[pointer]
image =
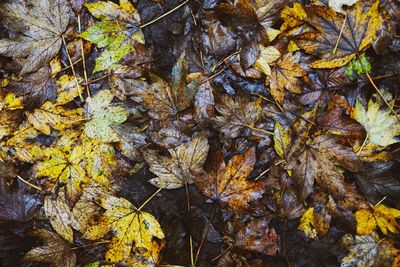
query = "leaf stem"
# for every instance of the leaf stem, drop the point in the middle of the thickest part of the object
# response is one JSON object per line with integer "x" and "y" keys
{"x": 340, "y": 35}
{"x": 28, "y": 183}
{"x": 83, "y": 57}
{"x": 164, "y": 15}
{"x": 72, "y": 66}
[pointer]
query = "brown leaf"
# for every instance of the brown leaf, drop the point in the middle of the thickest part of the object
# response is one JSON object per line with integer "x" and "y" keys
{"x": 54, "y": 251}
{"x": 317, "y": 159}
{"x": 35, "y": 88}
{"x": 39, "y": 26}
{"x": 258, "y": 236}
{"x": 227, "y": 184}
{"x": 285, "y": 75}
{"x": 237, "y": 113}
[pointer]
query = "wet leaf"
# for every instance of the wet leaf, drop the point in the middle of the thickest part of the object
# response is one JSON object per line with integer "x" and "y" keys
{"x": 359, "y": 31}
{"x": 227, "y": 184}
{"x": 54, "y": 251}
{"x": 378, "y": 216}
{"x": 131, "y": 229}
{"x": 103, "y": 115}
{"x": 176, "y": 171}
{"x": 39, "y": 26}
{"x": 317, "y": 160}
{"x": 117, "y": 32}
{"x": 380, "y": 124}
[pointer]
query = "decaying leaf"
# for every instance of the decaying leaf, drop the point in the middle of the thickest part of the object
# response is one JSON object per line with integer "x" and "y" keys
{"x": 103, "y": 116}
{"x": 380, "y": 124}
{"x": 285, "y": 75}
{"x": 10, "y": 117}
{"x": 380, "y": 215}
{"x": 131, "y": 229}
{"x": 258, "y": 236}
{"x": 267, "y": 56}
{"x": 117, "y": 32}
{"x": 164, "y": 99}
{"x": 282, "y": 139}
{"x": 39, "y": 26}
{"x": 315, "y": 222}
{"x": 176, "y": 171}
{"x": 236, "y": 114}
{"x": 49, "y": 116}
{"x": 317, "y": 160}
{"x": 55, "y": 250}
{"x": 227, "y": 184}
{"x": 365, "y": 251}
{"x": 359, "y": 30}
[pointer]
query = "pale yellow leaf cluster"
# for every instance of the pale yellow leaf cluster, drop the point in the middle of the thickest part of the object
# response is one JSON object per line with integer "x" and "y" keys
{"x": 379, "y": 216}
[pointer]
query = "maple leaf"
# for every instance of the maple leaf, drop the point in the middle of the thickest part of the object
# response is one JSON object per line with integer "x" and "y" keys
{"x": 131, "y": 229}
{"x": 227, "y": 184}
{"x": 294, "y": 18}
{"x": 267, "y": 56}
{"x": 164, "y": 99}
{"x": 54, "y": 251}
{"x": 35, "y": 88}
{"x": 39, "y": 26}
{"x": 365, "y": 251}
{"x": 282, "y": 139}
{"x": 117, "y": 32}
{"x": 380, "y": 215}
{"x": 358, "y": 33}
{"x": 285, "y": 74}
{"x": 380, "y": 124}
{"x": 313, "y": 224}
{"x": 67, "y": 89}
{"x": 103, "y": 116}
{"x": 237, "y": 113}
{"x": 50, "y": 116}
{"x": 316, "y": 160}
{"x": 176, "y": 171}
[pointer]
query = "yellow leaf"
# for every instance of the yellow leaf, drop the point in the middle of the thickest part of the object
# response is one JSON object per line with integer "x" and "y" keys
{"x": 131, "y": 229}
{"x": 282, "y": 139}
{"x": 50, "y": 116}
{"x": 293, "y": 17}
{"x": 267, "y": 55}
{"x": 380, "y": 124}
{"x": 379, "y": 216}
{"x": 307, "y": 223}
{"x": 67, "y": 89}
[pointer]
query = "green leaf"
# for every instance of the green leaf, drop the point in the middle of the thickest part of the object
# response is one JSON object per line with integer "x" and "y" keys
{"x": 358, "y": 66}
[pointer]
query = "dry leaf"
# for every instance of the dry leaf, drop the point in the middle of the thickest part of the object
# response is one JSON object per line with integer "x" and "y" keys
{"x": 380, "y": 215}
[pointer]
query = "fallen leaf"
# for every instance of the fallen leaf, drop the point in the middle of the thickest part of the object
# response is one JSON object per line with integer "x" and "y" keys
{"x": 117, "y": 32}
{"x": 358, "y": 33}
{"x": 236, "y": 114}
{"x": 307, "y": 224}
{"x": 54, "y": 251}
{"x": 317, "y": 160}
{"x": 282, "y": 139}
{"x": 49, "y": 116}
{"x": 380, "y": 124}
{"x": 176, "y": 171}
{"x": 337, "y": 5}
{"x": 131, "y": 229}
{"x": 35, "y": 88}
{"x": 39, "y": 26}
{"x": 294, "y": 17}
{"x": 227, "y": 184}
{"x": 103, "y": 115}
{"x": 365, "y": 251}
{"x": 267, "y": 56}
{"x": 67, "y": 89}
{"x": 258, "y": 236}
{"x": 378, "y": 216}
{"x": 285, "y": 75}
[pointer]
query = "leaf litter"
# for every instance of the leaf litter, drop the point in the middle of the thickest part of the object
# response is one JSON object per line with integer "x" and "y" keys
{"x": 199, "y": 133}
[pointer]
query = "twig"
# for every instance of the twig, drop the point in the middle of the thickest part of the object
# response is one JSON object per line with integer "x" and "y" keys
{"x": 222, "y": 253}
{"x": 340, "y": 35}
{"x": 164, "y": 15}
{"x": 380, "y": 201}
{"x": 213, "y": 76}
{"x": 97, "y": 79}
{"x": 222, "y": 61}
{"x": 150, "y": 198}
{"x": 363, "y": 145}
{"x": 67, "y": 67}
{"x": 28, "y": 183}
{"x": 83, "y": 57}
{"x": 190, "y": 235}
{"x": 91, "y": 245}
{"x": 257, "y": 129}
{"x": 205, "y": 235}
{"x": 72, "y": 67}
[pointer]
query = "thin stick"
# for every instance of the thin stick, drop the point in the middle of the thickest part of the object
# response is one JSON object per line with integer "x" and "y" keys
{"x": 190, "y": 235}
{"x": 91, "y": 245}
{"x": 67, "y": 67}
{"x": 150, "y": 198}
{"x": 340, "y": 35}
{"x": 83, "y": 57}
{"x": 363, "y": 145}
{"x": 257, "y": 129}
{"x": 205, "y": 235}
{"x": 213, "y": 76}
{"x": 72, "y": 67}
{"x": 97, "y": 79}
{"x": 28, "y": 183}
{"x": 222, "y": 61}
{"x": 164, "y": 15}
{"x": 380, "y": 201}
{"x": 261, "y": 174}
{"x": 222, "y": 253}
